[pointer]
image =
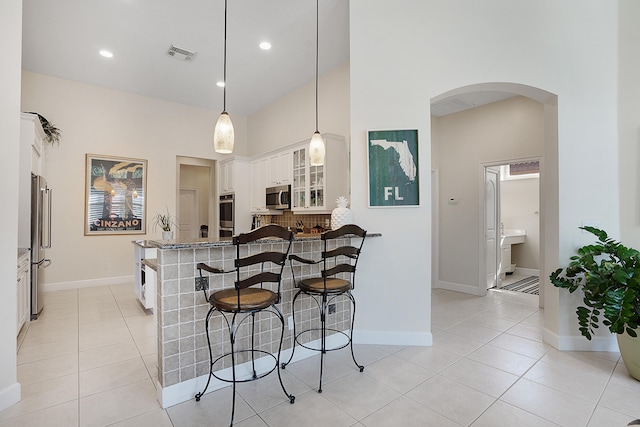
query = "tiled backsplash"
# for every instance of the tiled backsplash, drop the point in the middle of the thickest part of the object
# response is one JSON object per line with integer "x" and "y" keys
{"x": 289, "y": 219}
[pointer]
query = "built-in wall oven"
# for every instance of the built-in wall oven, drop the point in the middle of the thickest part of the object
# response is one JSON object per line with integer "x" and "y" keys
{"x": 227, "y": 215}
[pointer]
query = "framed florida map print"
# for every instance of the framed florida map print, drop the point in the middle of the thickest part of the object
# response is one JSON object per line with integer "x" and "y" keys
{"x": 393, "y": 168}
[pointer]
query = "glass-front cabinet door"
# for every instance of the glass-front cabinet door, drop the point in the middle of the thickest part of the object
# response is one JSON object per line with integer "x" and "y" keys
{"x": 308, "y": 182}
{"x": 299, "y": 185}
{"x": 316, "y": 186}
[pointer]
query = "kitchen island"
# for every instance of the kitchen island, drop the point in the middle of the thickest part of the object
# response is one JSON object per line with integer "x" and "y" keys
{"x": 183, "y": 354}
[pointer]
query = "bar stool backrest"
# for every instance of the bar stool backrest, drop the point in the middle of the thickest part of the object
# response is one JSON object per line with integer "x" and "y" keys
{"x": 246, "y": 272}
{"x": 341, "y": 259}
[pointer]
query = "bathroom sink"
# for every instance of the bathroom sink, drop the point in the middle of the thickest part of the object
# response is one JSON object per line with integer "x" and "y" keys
{"x": 512, "y": 236}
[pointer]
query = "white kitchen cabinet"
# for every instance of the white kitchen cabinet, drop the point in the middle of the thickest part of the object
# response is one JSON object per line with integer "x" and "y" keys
{"x": 232, "y": 173}
{"x": 225, "y": 179}
{"x": 144, "y": 286}
{"x": 23, "y": 291}
{"x": 280, "y": 167}
{"x": 31, "y": 162}
{"x": 32, "y": 138}
{"x": 259, "y": 182}
{"x": 234, "y": 177}
{"x": 315, "y": 188}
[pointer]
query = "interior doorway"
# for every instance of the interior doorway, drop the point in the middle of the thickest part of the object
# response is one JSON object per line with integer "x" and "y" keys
{"x": 512, "y": 205}
{"x": 196, "y": 196}
{"x": 491, "y": 226}
{"x": 189, "y": 208}
{"x": 461, "y": 263}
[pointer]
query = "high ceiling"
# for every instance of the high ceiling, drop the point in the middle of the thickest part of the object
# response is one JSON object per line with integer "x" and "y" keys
{"x": 62, "y": 38}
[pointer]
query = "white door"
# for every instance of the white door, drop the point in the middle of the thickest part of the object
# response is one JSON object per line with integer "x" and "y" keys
{"x": 492, "y": 225}
{"x": 189, "y": 209}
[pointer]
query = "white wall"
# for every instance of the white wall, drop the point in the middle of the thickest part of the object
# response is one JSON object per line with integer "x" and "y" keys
{"x": 507, "y": 130}
{"x": 520, "y": 208}
{"x": 11, "y": 33}
{"x": 103, "y": 121}
{"x": 405, "y": 55}
{"x": 291, "y": 118}
{"x": 629, "y": 122}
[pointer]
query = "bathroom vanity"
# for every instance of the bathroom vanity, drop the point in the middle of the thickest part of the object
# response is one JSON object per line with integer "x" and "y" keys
{"x": 508, "y": 238}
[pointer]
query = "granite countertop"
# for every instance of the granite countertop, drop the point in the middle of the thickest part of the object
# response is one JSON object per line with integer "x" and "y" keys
{"x": 213, "y": 242}
{"x": 151, "y": 262}
{"x": 142, "y": 243}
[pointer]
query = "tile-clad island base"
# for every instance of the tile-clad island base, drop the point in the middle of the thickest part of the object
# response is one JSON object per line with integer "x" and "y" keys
{"x": 183, "y": 354}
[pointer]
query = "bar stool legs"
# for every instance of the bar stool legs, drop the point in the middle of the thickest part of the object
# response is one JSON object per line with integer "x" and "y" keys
{"x": 232, "y": 327}
{"x": 323, "y": 307}
{"x": 206, "y": 328}
{"x": 336, "y": 277}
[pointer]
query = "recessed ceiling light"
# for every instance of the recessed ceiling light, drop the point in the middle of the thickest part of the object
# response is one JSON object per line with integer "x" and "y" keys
{"x": 265, "y": 45}
{"x": 106, "y": 53}
{"x": 220, "y": 84}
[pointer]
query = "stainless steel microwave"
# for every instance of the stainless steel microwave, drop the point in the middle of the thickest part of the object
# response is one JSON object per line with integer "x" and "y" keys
{"x": 279, "y": 197}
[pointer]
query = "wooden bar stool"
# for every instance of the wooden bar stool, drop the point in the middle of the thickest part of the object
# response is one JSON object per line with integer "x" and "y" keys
{"x": 337, "y": 278}
{"x": 247, "y": 300}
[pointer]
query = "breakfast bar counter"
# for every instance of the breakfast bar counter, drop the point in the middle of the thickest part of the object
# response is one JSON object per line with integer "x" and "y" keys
{"x": 183, "y": 354}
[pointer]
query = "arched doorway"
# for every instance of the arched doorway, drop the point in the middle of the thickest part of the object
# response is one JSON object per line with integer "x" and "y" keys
{"x": 462, "y": 206}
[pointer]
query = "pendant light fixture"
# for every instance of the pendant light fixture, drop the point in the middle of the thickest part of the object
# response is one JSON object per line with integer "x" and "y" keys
{"x": 223, "y": 132}
{"x": 316, "y": 146}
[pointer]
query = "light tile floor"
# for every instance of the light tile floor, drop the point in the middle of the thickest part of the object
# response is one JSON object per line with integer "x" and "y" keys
{"x": 90, "y": 361}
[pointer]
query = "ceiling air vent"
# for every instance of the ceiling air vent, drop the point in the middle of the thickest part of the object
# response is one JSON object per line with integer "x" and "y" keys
{"x": 181, "y": 53}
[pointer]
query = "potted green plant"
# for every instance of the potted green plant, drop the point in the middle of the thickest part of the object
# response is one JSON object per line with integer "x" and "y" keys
{"x": 608, "y": 274}
{"x": 52, "y": 133}
{"x": 165, "y": 222}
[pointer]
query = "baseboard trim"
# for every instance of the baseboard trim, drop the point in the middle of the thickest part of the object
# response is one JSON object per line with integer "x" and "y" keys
{"x": 579, "y": 343}
{"x": 450, "y": 286}
{"x": 393, "y": 338}
{"x": 88, "y": 283}
{"x": 9, "y": 396}
{"x": 186, "y": 390}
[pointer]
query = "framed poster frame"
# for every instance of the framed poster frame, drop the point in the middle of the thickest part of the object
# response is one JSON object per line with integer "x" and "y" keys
{"x": 115, "y": 195}
{"x": 393, "y": 168}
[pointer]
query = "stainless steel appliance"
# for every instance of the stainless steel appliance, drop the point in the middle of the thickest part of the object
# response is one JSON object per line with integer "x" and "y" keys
{"x": 279, "y": 197}
{"x": 40, "y": 239}
{"x": 227, "y": 214}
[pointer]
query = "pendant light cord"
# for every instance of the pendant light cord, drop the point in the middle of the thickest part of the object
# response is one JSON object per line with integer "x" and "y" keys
{"x": 224, "y": 73}
{"x": 317, "y": 44}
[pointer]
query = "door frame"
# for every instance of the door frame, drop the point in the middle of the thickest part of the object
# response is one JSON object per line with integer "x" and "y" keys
{"x": 482, "y": 273}
{"x": 435, "y": 228}
{"x": 213, "y": 188}
{"x": 482, "y": 283}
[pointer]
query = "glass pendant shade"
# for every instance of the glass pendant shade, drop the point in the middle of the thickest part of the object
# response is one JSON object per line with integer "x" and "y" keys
{"x": 223, "y": 134}
{"x": 316, "y": 150}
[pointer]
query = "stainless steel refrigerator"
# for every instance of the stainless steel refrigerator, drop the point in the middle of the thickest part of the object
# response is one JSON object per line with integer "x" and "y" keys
{"x": 40, "y": 239}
